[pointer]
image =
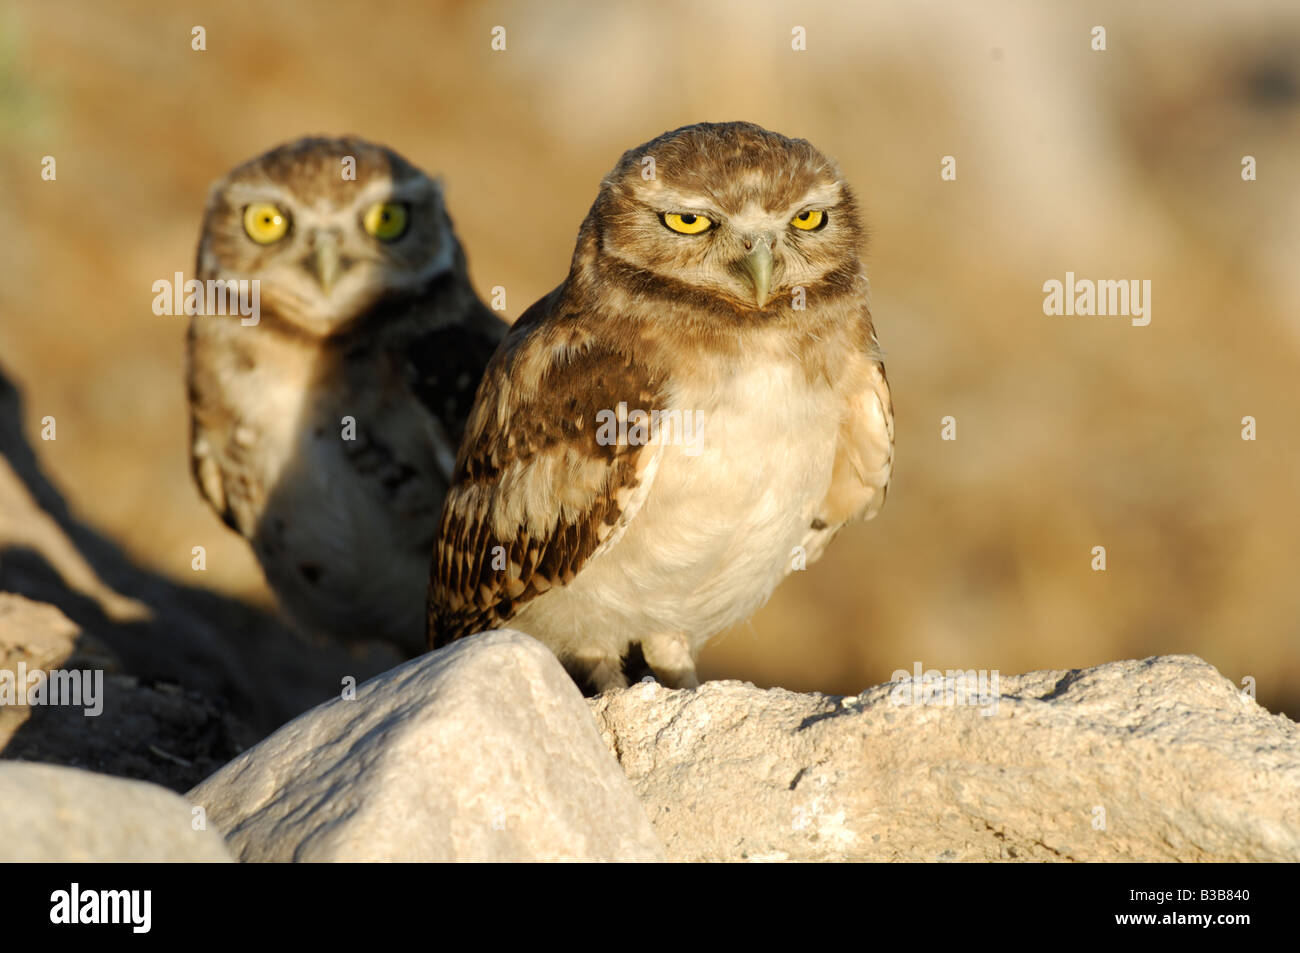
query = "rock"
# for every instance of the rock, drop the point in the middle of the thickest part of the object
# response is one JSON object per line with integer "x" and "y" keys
{"x": 482, "y": 751}
{"x": 35, "y": 634}
{"x": 1155, "y": 760}
{"x": 65, "y": 814}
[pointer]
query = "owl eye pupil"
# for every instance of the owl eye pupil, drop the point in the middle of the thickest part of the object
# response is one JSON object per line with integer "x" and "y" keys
{"x": 688, "y": 219}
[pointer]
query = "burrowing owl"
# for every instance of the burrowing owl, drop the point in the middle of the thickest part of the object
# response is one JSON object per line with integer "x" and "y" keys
{"x": 326, "y": 432}
{"x": 694, "y": 412}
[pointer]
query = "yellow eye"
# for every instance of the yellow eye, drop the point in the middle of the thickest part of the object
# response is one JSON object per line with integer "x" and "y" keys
{"x": 386, "y": 221}
{"x": 688, "y": 223}
{"x": 807, "y": 221}
{"x": 265, "y": 223}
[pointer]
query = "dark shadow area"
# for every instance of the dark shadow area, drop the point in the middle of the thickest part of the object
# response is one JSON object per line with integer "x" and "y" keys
{"x": 191, "y": 677}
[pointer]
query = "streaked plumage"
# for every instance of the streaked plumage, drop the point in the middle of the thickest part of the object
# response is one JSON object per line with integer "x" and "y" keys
{"x": 388, "y": 333}
{"x": 594, "y": 548}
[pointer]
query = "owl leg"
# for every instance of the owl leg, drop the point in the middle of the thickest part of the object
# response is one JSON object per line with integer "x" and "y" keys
{"x": 600, "y": 673}
{"x": 669, "y": 656}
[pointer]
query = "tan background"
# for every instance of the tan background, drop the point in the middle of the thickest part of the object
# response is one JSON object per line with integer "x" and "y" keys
{"x": 1072, "y": 431}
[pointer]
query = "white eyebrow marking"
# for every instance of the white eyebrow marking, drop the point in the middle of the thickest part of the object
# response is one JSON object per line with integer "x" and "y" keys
{"x": 382, "y": 190}
{"x": 666, "y": 198}
{"x": 242, "y": 193}
{"x": 379, "y": 190}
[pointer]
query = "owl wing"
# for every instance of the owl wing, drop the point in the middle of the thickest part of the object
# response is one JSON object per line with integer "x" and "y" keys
{"x": 443, "y": 368}
{"x": 221, "y": 451}
{"x": 864, "y": 452}
{"x": 540, "y": 490}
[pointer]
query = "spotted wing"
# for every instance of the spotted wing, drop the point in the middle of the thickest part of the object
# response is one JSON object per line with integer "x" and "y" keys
{"x": 540, "y": 488}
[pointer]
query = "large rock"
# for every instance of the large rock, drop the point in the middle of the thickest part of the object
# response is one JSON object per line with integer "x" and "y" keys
{"x": 53, "y": 813}
{"x": 1154, "y": 760}
{"x": 482, "y": 751}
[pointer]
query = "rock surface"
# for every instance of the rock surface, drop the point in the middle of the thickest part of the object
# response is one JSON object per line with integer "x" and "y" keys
{"x": 64, "y": 814}
{"x": 483, "y": 751}
{"x": 1155, "y": 760}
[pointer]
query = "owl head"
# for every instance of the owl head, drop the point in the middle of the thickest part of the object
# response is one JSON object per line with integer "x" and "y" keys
{"x": 730, "y": 211}
{"x": 329, "y": 227}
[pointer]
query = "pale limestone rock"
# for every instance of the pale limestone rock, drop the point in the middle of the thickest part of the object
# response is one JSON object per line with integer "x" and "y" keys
{"x": 483, "y": 751}
{"x": 36, "y": 634}
{"x": 51, "y": 813}
{"x": 1154, "y": 760}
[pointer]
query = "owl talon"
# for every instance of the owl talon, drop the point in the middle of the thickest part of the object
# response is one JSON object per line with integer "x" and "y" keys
{"x": 601, "y": 674}
{"x": 669, "y": 657}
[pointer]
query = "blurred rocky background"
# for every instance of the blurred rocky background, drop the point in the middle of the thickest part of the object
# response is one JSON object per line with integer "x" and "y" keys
{"x": 1072, "y": 432}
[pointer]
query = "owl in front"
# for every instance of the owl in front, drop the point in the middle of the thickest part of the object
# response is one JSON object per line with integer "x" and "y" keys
{"x": 692, "y": 414}
{"x": 324, "y": 429}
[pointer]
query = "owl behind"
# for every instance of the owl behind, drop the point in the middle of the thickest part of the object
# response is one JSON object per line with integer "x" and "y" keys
{"x": 324, "y": 432}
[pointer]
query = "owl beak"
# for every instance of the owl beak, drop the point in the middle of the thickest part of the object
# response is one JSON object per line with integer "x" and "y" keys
{"x": 326, "y": 262}
{"x": 758, "y": 266}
